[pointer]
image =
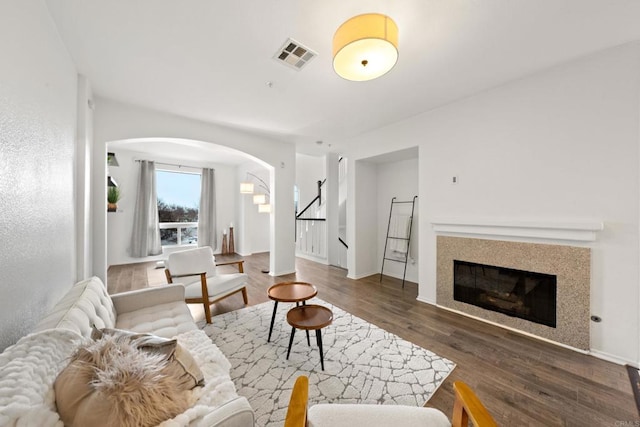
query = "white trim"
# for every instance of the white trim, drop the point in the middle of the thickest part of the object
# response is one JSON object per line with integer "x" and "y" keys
{"x": 361, "y": 276}
{"x": 614, "y": 359}
{"x": 595, "y": 353}
{"x": 514, "y": 330}
{"x": 319, "y": 260}
{"x": 426, "y": 301}
{"x": 573, "y": 231}
{"x": 281, "y": 273}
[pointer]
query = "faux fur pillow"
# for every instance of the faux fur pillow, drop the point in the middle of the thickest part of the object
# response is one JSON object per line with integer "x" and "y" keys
{"x": 111, "y": 382}
{"x": 181, "y": 363}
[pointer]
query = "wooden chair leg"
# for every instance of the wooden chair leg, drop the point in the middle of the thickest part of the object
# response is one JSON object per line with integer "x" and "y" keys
{"x": 207, "y": 310}
{"x": 244, "y": 296}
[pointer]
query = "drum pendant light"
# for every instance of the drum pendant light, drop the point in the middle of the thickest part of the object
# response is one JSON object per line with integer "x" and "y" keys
{"x": 365, "y": 47}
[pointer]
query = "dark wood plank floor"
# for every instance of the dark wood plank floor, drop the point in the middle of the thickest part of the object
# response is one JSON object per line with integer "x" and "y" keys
{"x": 521, "y": 380}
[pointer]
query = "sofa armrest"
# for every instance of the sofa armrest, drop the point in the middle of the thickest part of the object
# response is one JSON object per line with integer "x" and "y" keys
{"x": 235, "y": 413}
{"x": 127, "y": 302}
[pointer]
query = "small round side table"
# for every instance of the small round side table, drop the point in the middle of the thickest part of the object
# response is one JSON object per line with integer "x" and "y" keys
{"x": 309, "y": 317}
{"x": 297, "y": 292}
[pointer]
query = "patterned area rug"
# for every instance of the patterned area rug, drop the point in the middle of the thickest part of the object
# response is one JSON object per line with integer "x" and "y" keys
{"x": 363, "y": 363}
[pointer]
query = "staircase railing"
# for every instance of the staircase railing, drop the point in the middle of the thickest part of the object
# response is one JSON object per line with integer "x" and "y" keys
{"x": 318, "y": 198}
{"x": 311, "y": 232}
{"x": 343, "y": 242}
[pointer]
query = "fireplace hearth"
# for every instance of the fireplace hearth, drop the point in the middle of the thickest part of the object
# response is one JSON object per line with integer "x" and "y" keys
{"x": 518, "y": 293}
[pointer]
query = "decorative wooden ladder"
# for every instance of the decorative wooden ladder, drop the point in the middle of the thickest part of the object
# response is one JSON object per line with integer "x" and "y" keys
{"x": 406, "y": 238}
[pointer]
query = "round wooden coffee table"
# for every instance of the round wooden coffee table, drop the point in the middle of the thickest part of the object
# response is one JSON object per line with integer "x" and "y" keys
{"x": 309, "y": 317}
{"x": 297, "y": 292}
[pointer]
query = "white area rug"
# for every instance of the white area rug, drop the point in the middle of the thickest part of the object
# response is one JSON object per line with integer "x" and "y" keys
{"x": 363, "y": 363}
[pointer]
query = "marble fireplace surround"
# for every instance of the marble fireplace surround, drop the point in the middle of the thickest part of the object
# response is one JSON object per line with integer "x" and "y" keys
{"x": 570, "y": 264}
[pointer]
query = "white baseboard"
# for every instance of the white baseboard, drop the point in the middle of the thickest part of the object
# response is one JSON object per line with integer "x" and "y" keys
{"x": 595, "y": 353}
{"x": 426, "y": 301}
{"x": 319, "y": 260}
{"x": 578, "y": 350}
{"x": 360, "y": 276}
{"x": 614, "y": 359}
{"x": 252, "y": 253}
{"x": 399, "y": 277}
{"x": 281, "y": 273}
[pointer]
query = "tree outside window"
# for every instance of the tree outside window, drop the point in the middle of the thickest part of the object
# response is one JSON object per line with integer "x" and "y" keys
{"x": 178, "y": 202}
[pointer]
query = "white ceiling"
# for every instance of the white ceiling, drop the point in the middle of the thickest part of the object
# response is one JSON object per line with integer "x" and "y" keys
{"x": 211, "y": 59}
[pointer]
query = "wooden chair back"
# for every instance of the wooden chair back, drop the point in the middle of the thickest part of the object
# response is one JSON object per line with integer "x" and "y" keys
{"x": 297, "y": 411}
{"x": 466, "y": 408}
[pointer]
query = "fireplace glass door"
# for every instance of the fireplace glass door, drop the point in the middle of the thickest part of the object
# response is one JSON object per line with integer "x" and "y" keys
{"x": 524, "y": 294}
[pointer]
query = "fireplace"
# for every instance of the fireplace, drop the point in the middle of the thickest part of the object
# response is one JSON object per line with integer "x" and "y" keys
{"x": 517, "y": 293}
{"x": 569, "y": 264}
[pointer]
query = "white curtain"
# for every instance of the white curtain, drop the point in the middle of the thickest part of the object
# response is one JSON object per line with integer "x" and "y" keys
{"x": 145, "y": 239}
{"x": 207, "y": 212}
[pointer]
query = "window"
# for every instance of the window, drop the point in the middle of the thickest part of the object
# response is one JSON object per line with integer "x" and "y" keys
{"x": 178, "y": 203}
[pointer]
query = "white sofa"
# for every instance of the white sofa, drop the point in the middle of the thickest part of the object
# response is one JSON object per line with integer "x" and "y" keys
{"x": 29, "y": 368}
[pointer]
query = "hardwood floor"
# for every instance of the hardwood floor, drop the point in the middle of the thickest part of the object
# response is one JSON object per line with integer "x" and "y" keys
{"x": 521, "y": 380}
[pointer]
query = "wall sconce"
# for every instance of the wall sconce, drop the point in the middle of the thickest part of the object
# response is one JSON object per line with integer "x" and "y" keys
{"x": 111, "y": 182}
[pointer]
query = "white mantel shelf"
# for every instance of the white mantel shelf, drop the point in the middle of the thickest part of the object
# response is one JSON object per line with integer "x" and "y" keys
{"x": 572, "y": 231}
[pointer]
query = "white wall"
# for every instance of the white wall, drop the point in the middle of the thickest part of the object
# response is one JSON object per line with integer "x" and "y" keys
{"x": 114, "y": 121}
{"x": 309, "y": 170}
{"x": 560, "y": 145}
{"x": 253, "y": 228}
{"x": 38, "y": 122}
{"x": 120, "y": 223}
{"x": 331, "y": 194}
{"x": 82, "y": 180}
{"x": 399, "y": 180}
{"x": 362, "y": 220}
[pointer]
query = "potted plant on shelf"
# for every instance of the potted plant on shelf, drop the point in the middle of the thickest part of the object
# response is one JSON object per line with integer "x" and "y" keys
{"x": 113, "y": 195}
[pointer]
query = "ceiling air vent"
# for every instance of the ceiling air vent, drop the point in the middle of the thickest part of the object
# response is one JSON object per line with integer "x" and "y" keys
{"x": 294, "y": 55}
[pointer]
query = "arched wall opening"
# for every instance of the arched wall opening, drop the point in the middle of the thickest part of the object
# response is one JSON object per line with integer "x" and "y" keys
{"x": 114, "y": 121}
{"x": 184, "y": 160}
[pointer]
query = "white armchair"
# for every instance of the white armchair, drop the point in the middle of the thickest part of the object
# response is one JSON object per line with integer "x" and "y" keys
{"x": 196, "y": 268}
{"x": 467, "y": 408}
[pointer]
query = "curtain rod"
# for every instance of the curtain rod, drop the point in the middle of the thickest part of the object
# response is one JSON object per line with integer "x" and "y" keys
{"x": 170, "y": 164}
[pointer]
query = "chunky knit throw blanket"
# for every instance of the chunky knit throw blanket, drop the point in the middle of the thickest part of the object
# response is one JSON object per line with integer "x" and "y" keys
{"x": 29, "y": 368}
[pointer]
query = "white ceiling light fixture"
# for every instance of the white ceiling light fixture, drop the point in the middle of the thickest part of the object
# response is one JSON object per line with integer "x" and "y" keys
{"x": 365, "y": 47}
